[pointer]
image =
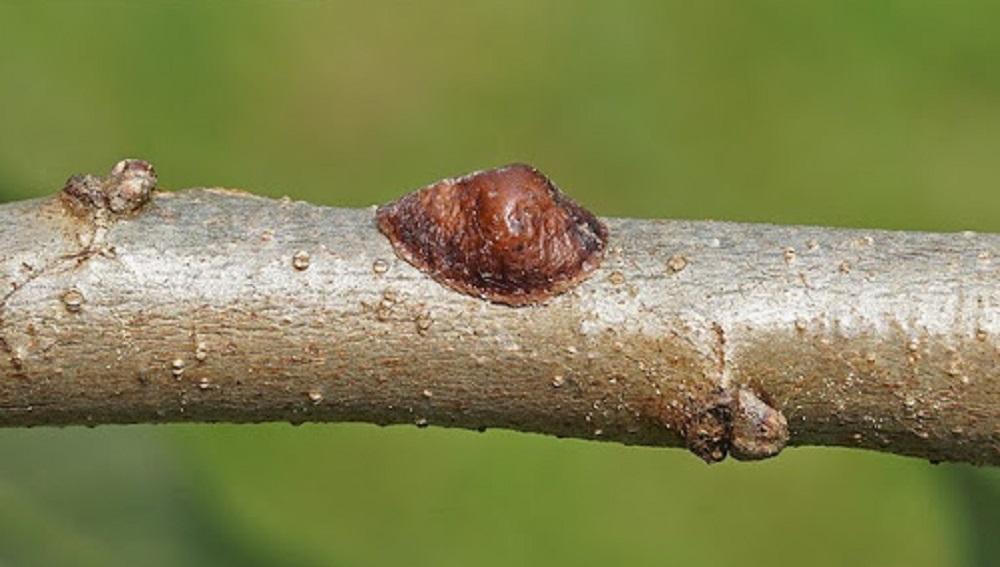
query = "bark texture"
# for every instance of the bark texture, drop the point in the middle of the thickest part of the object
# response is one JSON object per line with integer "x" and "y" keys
{"x": 215, "y": 305}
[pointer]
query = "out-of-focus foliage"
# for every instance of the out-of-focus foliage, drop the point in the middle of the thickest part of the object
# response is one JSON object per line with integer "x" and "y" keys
{"x": 882, "y": 114}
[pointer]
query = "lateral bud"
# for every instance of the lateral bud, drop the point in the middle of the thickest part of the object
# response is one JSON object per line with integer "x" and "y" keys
{"x": 126, "y": 189}
{"x": 759, "y": 430}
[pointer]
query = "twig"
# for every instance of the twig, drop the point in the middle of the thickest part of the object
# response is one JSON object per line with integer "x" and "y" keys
{"x": 215, "y": 305}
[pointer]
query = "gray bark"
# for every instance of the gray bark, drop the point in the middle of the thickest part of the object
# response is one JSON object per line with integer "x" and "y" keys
{"x": 215, "y": 305}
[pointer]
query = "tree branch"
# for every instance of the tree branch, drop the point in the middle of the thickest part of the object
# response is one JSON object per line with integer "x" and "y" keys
{"x": 215, "y": 305}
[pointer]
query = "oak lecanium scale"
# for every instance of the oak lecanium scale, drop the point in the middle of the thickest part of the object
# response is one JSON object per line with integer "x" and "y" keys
{"x": 506, "y": 235}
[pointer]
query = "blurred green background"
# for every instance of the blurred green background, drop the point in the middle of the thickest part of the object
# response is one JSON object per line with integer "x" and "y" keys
{"x": 874, "y": 113}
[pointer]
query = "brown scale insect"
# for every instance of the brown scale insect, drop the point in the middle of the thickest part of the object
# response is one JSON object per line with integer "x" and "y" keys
{"x": 507, "y": 235}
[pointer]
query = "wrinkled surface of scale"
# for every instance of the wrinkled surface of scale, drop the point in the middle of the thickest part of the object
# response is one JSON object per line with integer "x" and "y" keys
{"x": 508, "y": 235}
